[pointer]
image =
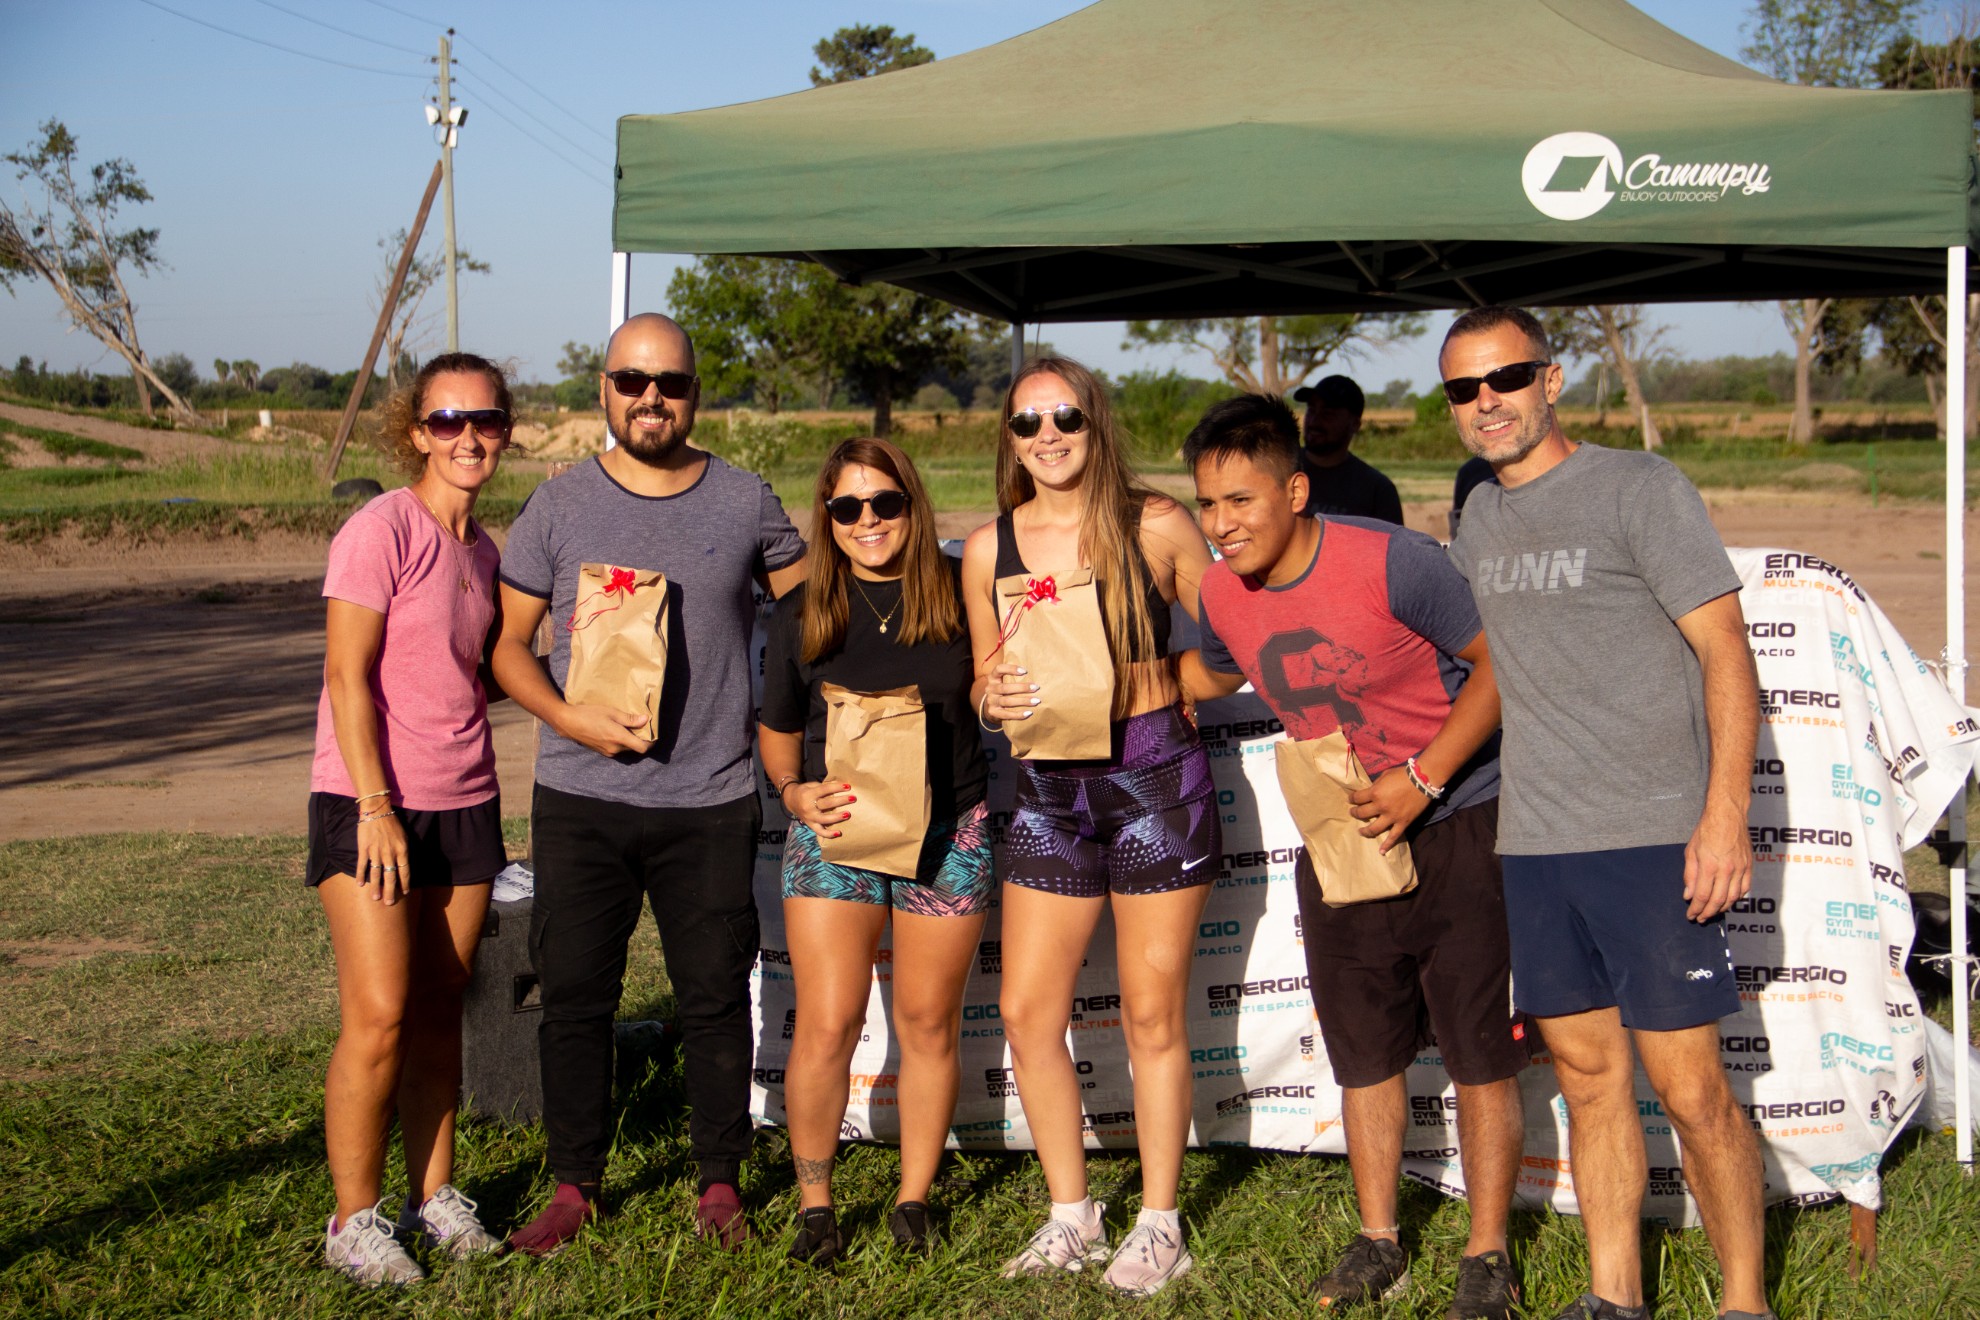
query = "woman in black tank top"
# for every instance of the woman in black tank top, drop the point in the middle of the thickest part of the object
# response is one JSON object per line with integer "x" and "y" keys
{"x": 1137, "y": 831}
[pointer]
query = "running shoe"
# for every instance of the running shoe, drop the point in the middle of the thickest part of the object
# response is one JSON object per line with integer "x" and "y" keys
{"x": 556, "y": 1224}
{"x": 1371, "y": 1269}
{"x": 718, "y": 1217}
{"x": 1060, "y": 1246}
{"x": 367, "y": 1251}
{"x": 1487, "y": 1288}
{"x": 448, "y": 1221}
{"x": 911, "y": 1228}
{"x": 819, "y": 1241}
{"x": 1590, "y": 1307}
{"x": 1147, "y": 1260}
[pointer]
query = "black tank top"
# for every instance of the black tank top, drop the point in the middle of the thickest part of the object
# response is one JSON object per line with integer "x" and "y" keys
{"x": 1011, "y": 564}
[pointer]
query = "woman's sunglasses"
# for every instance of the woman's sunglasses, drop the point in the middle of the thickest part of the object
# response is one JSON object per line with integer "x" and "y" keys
{"x": 1504, "y": 380}
{"x": 1067, "y": 417}
{"x": 887, "y": 506}
{"x": 448, "y": 423}
{"x": 632, "y": 384}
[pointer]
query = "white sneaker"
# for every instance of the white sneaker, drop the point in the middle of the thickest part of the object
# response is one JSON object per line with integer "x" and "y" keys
{"x": 1061, "y": 1246}
{"x": 1147, "y": 1261}
{"x": 366, "y": 1250}
{"x": 449, "y": 1222}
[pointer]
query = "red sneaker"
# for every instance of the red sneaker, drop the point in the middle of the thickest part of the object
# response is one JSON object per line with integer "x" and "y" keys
{"x": 718, "y": 1216}
{"x": 552, "y": 1229}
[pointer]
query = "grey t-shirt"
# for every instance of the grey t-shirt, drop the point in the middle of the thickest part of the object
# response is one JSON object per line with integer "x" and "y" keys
{"x": 710, "y": 540}
{"x": 1579, "y": 575}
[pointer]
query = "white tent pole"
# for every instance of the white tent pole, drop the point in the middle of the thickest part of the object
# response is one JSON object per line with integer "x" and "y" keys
{"x": 1017, "y": 347}
{"x": 621, "y": 289}
{"x": 1956, "y": 680}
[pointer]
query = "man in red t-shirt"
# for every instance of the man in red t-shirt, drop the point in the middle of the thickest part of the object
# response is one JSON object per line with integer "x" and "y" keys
{"x": 1364, "y": 626}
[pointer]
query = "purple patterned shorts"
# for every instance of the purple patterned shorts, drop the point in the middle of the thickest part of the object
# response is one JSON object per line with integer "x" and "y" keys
{"x": 1145, "y": 823}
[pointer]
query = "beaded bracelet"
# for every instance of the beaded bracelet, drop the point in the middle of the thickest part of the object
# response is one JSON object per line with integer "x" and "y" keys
{"x": 1423, "y": 785}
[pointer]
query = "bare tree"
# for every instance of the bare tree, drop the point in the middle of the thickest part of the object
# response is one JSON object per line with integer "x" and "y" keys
{"x": 69, "y": 240}
{"x": 1276, "y": 354}
{"x": 1620, "y": 336}
{"x": 422, "y": 276}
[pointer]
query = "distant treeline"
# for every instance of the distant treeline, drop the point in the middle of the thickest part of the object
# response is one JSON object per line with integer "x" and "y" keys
{"x": 1761, "y": 381}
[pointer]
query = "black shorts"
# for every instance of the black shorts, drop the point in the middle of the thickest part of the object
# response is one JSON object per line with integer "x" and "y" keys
{"x": 458, "y": 847}
{"x": 1430, "y": 967}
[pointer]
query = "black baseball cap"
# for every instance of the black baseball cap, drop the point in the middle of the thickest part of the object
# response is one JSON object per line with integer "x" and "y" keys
{"x": 1333, "y": 392}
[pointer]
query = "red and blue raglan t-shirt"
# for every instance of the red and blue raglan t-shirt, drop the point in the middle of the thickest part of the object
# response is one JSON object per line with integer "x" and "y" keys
{"x": 1365, "y": 641}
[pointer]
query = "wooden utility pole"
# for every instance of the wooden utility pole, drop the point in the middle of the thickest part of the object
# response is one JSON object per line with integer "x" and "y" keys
{"x": 391, "y": 301}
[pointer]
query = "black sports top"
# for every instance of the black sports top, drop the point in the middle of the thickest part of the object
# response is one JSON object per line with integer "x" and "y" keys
{"x": 1011, "y": 564}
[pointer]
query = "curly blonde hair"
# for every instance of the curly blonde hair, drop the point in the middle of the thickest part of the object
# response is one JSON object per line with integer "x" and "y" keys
{"x": 406, "y": 409}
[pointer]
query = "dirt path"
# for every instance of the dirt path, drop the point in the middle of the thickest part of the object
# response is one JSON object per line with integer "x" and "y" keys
{"x": 156, "y": 446}
{"x": 175, "y": 686}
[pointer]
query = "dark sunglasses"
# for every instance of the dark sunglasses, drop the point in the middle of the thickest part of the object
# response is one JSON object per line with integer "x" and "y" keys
{"x": 1067, "y": 417}
{"x": 1503, "y": 380}
{"x": 448, "y": 423}
{"x": 887, "y": 506}
{"x": 632, "y": 384}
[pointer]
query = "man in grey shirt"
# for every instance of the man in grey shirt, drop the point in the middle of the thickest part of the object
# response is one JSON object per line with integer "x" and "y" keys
{"x": 1631, "y": 707}
{"x": 620, "y": 821}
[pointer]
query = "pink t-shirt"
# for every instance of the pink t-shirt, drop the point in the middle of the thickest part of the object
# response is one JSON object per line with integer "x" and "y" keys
{"x": 433, "y": 731}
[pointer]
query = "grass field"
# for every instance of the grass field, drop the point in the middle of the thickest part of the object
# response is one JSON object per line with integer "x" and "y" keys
{"x": 167, "y": 1016}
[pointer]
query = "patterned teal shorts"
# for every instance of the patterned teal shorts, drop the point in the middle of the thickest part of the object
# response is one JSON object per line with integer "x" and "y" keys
{"x": 957, "y": 853}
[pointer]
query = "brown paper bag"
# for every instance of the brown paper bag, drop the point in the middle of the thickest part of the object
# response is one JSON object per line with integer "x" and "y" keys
{"x": 878, "y": 743}
{"x": 1316, "y": 775}
{"x": 1051, "y": 627}
{"x": 619, "y": 641}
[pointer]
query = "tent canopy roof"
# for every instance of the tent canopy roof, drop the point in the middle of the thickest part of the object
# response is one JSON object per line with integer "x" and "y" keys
{"x": 1216, "y": 157}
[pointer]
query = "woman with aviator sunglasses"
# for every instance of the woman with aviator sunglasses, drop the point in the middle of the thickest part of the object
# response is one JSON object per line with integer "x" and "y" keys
{"x": 405, "y": 821}
{"x": 877, "y": 611}
{"x": 1137, "y": 832}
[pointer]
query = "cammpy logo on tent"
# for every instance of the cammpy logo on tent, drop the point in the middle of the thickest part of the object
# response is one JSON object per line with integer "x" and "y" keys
{"x": 1571, "y": 176}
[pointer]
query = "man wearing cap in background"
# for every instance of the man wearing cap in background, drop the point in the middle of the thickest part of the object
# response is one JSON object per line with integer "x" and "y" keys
{"x": 1338, "y": 483}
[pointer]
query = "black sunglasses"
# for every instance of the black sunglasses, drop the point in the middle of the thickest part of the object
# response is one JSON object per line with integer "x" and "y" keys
{"x": 887, "y": 506}
{"x": 1503, "y": 380}
{"x": 632, "y": 384}
{"x": 1067, "y": 417}
{"x": 447, "y": 423}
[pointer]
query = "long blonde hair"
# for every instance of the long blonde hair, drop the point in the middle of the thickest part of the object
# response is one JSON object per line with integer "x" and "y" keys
{"x": 929, "y": 611}
{"x": 1112, "y": 499}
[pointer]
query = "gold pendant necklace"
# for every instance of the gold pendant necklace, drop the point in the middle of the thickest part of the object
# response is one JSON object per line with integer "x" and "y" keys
{"x": 876, "y": 609}
{"x": 463, "y": 549}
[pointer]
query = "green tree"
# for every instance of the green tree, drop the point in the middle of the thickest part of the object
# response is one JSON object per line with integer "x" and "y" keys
{"x": 178, "y": 371}
{"x": 68, "y": 239}
{"x": 1621, "y": 337}
{"x": 882, "y": 341}
{"x": 755, "y": 322}
{"x": 1275, "y": 354}
{"x": 1825, "y": 43}
{"x": 861, "y": 51}
{"x": 581, "y": 360}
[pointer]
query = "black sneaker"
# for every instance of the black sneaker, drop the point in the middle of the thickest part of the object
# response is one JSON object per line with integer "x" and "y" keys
{"x": 1487, "y": 1288}
{"x": 819, "y": 1241}
{"x": 1590, "y": 1307}
{"x": 1371, "y": 1269}
{"x": 911, "y": 1229}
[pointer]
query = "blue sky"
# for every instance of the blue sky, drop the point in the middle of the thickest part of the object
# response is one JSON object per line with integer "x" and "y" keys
{"x": 275, "y": 175}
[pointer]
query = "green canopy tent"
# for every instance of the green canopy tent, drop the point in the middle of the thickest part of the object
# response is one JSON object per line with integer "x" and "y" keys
{"x": 1169, "y": 158}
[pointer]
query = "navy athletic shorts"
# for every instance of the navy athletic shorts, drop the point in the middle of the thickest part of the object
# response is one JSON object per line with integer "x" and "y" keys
{"x": 461, "y": 846}
{"x": 1607, "y": 930}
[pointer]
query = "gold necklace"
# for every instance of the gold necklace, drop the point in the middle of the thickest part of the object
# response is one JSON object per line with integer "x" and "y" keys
{"x": 875, "y": 608}
{"x": 463, "y": 548}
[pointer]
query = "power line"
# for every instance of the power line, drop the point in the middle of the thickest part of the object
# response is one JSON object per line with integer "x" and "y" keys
{"x": 578, "y": 147}
{"x": 576, "y": 119}
{"x": 343, "y": 32}
{"x": 428, "y": 22}
{"x": 286, "y": 50}
{"x": 541, "y": 143}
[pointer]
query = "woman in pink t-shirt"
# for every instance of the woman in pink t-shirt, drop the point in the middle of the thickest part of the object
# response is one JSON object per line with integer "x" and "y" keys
{"x": 405, "y": 825}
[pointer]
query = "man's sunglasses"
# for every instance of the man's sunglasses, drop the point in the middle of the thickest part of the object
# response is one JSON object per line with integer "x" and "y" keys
{"x": 632, "y": 384}
{"x": 887, "y": 506}
{"x": 1067, "y": 417}
{"x": 1503, "y": 380}
{"x": 448, "y": 423}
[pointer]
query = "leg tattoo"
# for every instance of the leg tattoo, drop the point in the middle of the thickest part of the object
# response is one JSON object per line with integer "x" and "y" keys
{"x": 813, "y": 1172}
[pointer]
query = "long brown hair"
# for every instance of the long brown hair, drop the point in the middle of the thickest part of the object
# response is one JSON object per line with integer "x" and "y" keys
{"x": 1113, "y": 497}
{"x": 928, "y": 592}
{"x": 406, "y": 409}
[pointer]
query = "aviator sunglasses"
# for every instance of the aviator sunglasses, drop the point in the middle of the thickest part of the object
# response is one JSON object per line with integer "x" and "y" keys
{"x": 887, "y": 506}
{"x": 632, "y": 384}
{"x": 1067, "y": 417}
{"x": 1503, "y": 380}
{"x": 448, "y": 423}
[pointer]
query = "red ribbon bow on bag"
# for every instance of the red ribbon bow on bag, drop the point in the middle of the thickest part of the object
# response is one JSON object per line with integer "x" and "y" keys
{"x": 1035, "y": 590}
{"x": 620, "y": 584}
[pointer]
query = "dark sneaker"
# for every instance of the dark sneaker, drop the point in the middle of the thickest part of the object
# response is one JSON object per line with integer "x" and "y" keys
{"x": 910, "y": 1227}
{"x": 718, "y": 1217}
{"x": 1487, "y": 1288}
{"x": 1371, "y": 1269}
{"x": 1590, "y": 1307}
{"x": 819, "y": 1241}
